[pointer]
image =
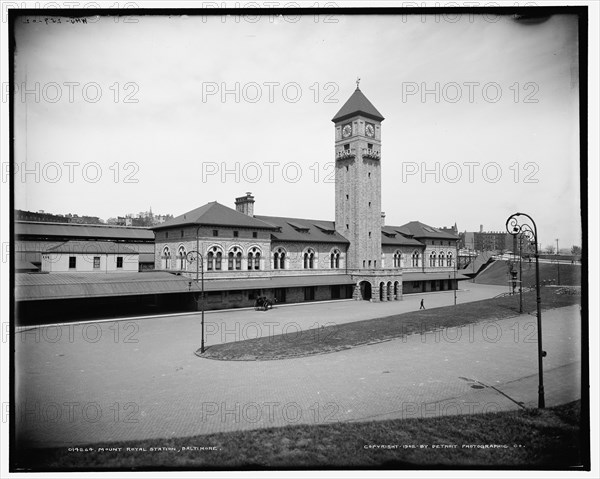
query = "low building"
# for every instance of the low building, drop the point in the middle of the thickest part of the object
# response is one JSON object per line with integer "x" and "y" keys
{"x": 90, "y": 257}
{"x": 34, "y": 239}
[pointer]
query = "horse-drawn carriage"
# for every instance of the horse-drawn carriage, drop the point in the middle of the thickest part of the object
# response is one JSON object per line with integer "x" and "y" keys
{"x": 263, "y": 303}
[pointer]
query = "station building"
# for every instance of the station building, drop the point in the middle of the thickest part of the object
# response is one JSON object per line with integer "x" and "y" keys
{"x": 357, "y": 255}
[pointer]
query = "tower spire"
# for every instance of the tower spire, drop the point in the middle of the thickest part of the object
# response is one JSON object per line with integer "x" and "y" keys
{"x": 357, "y": 104}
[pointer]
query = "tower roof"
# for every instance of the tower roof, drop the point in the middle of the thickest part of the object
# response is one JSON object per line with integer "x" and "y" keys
{"x": 357, "y": 104}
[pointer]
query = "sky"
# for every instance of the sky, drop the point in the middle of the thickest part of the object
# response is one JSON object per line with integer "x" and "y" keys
{"x": 120, "y": 115}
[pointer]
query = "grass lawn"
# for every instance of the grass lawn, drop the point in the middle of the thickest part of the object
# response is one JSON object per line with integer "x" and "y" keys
{"x": 548, "y": 438}
{"x": 345, "y": 336}
{"x": 496, "y": 273}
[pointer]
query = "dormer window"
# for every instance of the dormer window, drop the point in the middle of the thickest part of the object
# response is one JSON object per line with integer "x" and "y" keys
{"x": 299, "y": 227}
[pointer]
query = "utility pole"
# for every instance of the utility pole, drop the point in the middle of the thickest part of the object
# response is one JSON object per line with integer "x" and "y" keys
{"x": 556, "y": 245}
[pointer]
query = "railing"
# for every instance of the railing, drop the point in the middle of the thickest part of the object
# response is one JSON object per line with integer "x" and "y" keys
{"x": 370, "y": 153}
{"x": 346, "y": 154}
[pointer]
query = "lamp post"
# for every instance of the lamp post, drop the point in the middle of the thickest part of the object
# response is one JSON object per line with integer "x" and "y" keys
{"x": 530, "y": 232}
{"x": 455, "y": 268}
{"x": 520, "y": 274}
{"x": 199, "y": 259}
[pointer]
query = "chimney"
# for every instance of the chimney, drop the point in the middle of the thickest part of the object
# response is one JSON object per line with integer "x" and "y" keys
{"x": 382, "y": 219}
{"x": 481, "y": 228}
{"x": 245, "y": 204}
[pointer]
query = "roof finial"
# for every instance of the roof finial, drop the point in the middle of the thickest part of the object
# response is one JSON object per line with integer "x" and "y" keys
{"x": 357, "y": 82}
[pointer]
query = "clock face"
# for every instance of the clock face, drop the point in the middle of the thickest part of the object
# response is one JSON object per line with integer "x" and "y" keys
{"x": 347, "y": 130}
{"x": 370, "y": 130}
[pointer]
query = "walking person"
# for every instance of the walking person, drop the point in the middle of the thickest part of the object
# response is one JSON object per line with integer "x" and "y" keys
{"x": 422, "y": 304}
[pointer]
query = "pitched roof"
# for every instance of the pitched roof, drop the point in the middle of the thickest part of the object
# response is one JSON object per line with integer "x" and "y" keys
{"x": 36, "y": 286}
{"x": 73, "y": 230}
{"x": 22, "y": 265}
{"x": 421, "y": 230}
{"x": 101, "y": 247}
{"x": 304, "y": 230}
{"x": 358, "y": 104}
{"x": 397, "y": 235}
{"x": 215, "y": 214}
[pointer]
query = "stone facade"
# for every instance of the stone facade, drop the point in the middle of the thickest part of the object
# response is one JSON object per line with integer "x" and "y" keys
{"x": 358, "y": 190}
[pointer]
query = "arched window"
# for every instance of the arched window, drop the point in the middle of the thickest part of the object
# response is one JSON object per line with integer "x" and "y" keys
{"x": 334, "y": 259}
{"x": 182, "y": 256}
{"x": 279, "y": 259}
{"x": 397, "y": 259}
{"x": 432, "y": 258}
{"x": 309, "y": 259}
{"x": 415, "y": 259}
{"x": 234, "y": 259}
{"x": 441, "y": 259}
{"x": 254, "y": 259}
{"x": 214, "y": 259}
{"x": 449, "y": 259}
{"x": 166, "y": 258}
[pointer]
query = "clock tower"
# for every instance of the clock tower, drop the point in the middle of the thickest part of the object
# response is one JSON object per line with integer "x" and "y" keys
{"x": 358, "y": 180}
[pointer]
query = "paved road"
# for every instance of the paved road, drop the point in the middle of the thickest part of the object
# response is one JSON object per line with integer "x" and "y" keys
{"x": 103, "y": 387}
{"x": 241, "y": 324}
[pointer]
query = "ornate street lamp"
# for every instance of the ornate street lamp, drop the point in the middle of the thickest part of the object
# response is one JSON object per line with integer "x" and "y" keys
{"x": 530, "y": 233}
{"x": 199, "y": 259}
{"x": 520, "y": 274}
{"x": 455, "y": 268}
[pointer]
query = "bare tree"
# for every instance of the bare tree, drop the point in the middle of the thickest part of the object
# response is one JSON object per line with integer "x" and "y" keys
{"x": 549, "y": 249}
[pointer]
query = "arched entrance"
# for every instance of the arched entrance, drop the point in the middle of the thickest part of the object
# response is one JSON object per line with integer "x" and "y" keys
{"x": 365, "y": 290}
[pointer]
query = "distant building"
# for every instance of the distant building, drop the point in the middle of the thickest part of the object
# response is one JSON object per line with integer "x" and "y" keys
{"x": 497, "y": 241}
{"x": 453, "y": 230}
{"x": 143, "y": 219}
{"x": 21, "y": 215}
